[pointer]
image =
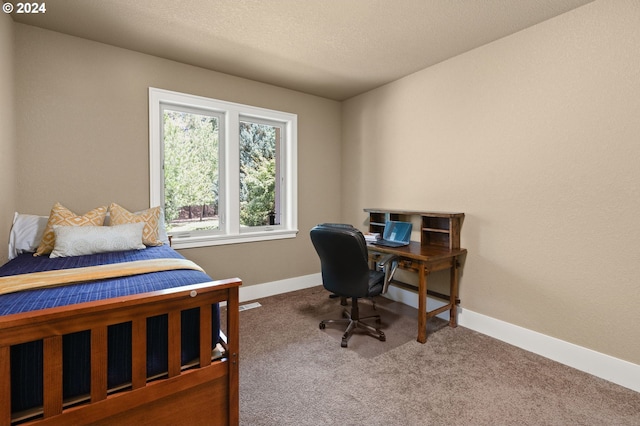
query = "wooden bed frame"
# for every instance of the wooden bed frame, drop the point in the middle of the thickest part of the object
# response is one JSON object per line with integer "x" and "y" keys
{"x": 206, "y": 392}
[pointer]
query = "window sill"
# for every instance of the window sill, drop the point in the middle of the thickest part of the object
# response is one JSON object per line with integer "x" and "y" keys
{"x": 218, "y": 240}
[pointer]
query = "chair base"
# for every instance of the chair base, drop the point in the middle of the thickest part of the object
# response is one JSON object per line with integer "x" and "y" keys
{"x": 354, "y": 321}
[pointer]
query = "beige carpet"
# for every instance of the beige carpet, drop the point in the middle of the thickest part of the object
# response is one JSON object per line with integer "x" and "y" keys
{"x": 293, "y": 373}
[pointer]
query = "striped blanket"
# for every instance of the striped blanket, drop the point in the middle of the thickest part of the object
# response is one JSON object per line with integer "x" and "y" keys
{"x": 14, "y": 283}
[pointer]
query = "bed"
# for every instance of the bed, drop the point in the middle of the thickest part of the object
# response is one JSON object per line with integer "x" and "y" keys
{"x": 147, "y": 348}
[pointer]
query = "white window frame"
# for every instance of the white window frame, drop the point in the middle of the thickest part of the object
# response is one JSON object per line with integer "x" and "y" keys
{"x": 230, "y": 231}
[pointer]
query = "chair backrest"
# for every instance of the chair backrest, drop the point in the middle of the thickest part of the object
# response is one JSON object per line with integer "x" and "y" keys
{"x": 344, "y": 259}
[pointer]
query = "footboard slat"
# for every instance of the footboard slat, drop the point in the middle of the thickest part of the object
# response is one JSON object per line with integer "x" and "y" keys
{"x": 139, "y": 353}
{"x": 5, "y": 385}
{"x": 205, "y": 336}
{"x": 52, "y": 375}
{"x": 98, "y": 364}
{"x": 174, "y": 343}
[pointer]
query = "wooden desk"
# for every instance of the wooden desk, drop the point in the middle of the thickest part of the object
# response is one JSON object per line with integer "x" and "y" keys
{"x": 424, "y": 260}
{"x": 438, "y": 249}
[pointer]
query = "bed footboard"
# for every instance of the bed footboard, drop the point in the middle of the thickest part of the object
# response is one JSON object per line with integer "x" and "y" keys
{"x": 204, "y": 391}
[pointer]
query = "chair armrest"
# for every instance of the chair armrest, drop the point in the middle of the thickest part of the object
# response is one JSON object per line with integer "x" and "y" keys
{"x": 387, "y": 263}
{"x": 383, "y": 260}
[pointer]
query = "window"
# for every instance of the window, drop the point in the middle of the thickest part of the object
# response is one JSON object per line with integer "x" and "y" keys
{"x": 223, "y": 172}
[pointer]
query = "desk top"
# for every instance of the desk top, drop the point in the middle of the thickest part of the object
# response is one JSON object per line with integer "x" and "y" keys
{"x": 420, "y": 252}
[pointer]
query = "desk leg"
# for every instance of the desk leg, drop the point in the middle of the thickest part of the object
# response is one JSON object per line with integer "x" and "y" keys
{"x": 453, "y": 294}
{"x": 422, "y": 304}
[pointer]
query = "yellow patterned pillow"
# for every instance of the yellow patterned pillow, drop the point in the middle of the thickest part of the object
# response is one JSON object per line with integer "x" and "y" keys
{"x": 151, "y": 218}
{"x": 60, "y": 215}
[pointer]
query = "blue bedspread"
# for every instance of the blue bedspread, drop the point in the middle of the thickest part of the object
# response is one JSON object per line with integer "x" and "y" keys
{"x": 26, "y": 359}
{"x": 77, "y": 293}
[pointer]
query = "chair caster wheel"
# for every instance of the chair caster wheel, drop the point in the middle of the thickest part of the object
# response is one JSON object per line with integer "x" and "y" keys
{"x": 382, "y": 337}
{"x": 322, "y": 326}
{"x": 343, "y": 344}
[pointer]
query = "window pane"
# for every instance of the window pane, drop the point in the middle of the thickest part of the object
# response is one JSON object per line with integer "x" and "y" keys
{"x": 259, "y": 194}
{"x": 222, "y": 185}
{"x": 191, "y": 179}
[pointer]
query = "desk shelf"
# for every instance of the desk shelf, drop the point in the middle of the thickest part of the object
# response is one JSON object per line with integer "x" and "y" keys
{"x": 439, "y": 229}
{"x": 378, "y": 218}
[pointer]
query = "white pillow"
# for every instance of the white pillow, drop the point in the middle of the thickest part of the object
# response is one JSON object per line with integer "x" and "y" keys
{"x": 26, "y": 233}
{"x": 81, "y": 240}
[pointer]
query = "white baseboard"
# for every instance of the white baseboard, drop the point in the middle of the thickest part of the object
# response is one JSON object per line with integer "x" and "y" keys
{"x": 606, "y": 367}
{"x": 278, "y": 287}
{"x": 411, "y": 299}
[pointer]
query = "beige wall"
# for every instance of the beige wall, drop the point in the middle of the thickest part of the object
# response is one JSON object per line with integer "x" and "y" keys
{"x": 82, "y": 119}
{"x": 536, "y": 137}
{"x": 7, "y": 134}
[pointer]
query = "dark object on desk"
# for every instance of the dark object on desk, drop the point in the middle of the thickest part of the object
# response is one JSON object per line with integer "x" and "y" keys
{"x": 396, "y": 234}
{"x": 345, "y": 272}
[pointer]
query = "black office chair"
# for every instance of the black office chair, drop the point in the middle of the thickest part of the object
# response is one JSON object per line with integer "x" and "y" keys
{"x": 345, "y": 273}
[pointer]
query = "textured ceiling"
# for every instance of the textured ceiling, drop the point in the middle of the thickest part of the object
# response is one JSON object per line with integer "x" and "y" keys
{"x": 330, "y": 48}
